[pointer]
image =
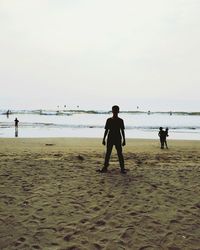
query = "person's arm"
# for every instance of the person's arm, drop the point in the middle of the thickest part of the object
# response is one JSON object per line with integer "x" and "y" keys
{"x": 104, "y": 137}
{"x": 123, "y": 137}
{"x": 123, "y": 133}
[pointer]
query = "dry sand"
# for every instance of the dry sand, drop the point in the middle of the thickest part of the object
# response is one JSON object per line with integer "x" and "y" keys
{"x": 51, "y": 196}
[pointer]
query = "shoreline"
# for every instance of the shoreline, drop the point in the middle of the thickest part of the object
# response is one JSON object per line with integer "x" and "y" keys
{"x": 90, "y": 138}
{"x": 131, "y": 143}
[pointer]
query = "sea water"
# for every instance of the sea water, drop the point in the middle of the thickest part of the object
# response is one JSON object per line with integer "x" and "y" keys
{"x": 84, "y": 123}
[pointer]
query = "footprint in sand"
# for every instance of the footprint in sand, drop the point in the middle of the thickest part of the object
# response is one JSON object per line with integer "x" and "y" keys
{"x": 133, "y": 213}
{"x": 36, "y": 247}
{"x": 169, "y": 237}
{"x": 22, "y": 239}
{"x": 100, "y": 223}
{"x": 95, "y": 208}
{"x": 74, "y": 247}
{"x": 147, "y": 248}
{"x": 96, "y": 246}
{"x": 84, "y": 220}
{"x": 67, "y": 237}
{"x": 128, "y": 234}
{"x": 110, "y": 196}
{"x": 19, "y": 241}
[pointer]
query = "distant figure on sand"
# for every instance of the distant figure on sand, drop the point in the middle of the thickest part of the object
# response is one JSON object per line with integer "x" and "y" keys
{"x": 16, "y": 127}
{"x": 163, "y": 137}
{"x": 114, "y": 131}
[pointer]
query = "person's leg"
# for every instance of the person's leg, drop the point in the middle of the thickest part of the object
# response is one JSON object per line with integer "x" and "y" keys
{"x": 166, "y": 144}
{"x": 108, "y": 153}
{"x": 161, "y": 143}
{"x": 120, "y": 156}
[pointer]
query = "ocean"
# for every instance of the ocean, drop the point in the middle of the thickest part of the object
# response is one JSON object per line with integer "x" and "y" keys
{"x": 90, "y": 123}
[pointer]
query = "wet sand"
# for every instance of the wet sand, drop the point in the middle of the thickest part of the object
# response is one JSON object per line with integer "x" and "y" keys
{"x": 52, "y": 198}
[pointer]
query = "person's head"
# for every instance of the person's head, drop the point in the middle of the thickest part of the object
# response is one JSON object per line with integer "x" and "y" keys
{"x": 115, "y": 110}
{"x": 161, "y": 128}
{"x": 167, "y": 129}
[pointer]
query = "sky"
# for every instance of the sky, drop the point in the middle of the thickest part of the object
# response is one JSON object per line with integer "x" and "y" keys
{"x": 96, "y": 54}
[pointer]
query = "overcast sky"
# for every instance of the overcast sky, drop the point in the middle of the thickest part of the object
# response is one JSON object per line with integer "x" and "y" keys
{"x": 96, "y": 53}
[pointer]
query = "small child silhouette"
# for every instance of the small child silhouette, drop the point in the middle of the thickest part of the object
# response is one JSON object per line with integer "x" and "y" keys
{"x": 166, "y": 135}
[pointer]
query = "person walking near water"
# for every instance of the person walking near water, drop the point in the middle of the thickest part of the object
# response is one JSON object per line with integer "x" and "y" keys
{"x": 7, "y": 113}
{"x": 16, "y": 122}
{"x": 114, "y": 132}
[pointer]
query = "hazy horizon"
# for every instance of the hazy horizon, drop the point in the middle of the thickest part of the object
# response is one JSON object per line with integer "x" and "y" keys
{"x": 98, "y": 53}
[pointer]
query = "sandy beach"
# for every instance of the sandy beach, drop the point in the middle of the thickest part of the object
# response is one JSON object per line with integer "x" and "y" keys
{"x": 52, "y": 198}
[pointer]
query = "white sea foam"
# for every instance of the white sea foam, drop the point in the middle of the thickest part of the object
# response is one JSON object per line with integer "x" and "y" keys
{"x": 84, "y": 123}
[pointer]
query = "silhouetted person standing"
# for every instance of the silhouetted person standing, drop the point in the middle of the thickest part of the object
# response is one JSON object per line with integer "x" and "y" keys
{"x": 114, "y": 131}
{"x": 163, "y": 137}
{"x": 161, "y": 134}
{"x": 16, "y": 127}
